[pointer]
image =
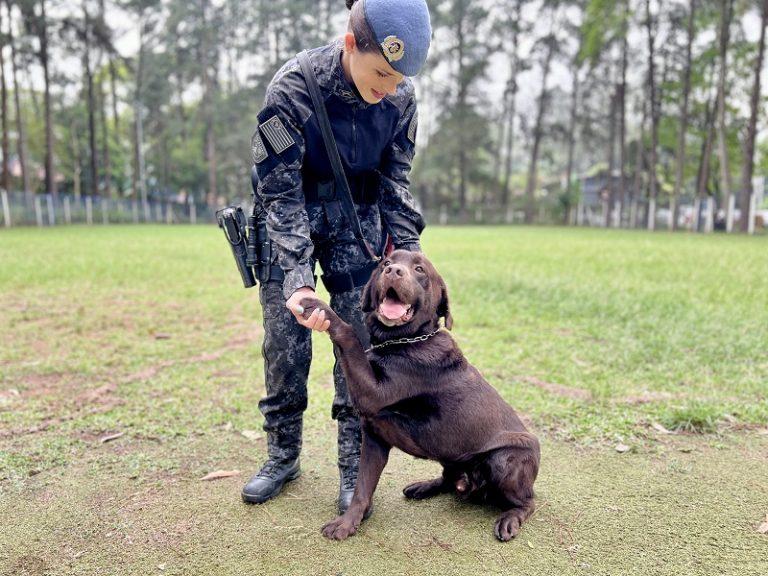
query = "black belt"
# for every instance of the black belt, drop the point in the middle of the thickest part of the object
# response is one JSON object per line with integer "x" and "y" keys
{"x": 334, "y": 283}
{"x": 364, "y": 187}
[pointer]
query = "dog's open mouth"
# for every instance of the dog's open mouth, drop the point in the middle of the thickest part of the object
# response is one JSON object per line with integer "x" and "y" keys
{"x": 394, "y": 310}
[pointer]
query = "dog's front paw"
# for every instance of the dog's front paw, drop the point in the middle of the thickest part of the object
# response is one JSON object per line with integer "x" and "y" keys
{"x": 506, "y": 527}
{"x": 340, "y": 528}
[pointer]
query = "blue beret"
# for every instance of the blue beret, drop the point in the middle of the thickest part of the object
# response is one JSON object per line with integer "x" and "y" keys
{"x": 403, "y": 31}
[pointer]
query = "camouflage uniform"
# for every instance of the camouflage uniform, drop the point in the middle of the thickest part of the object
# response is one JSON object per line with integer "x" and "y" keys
{"x": 291, "y": 162}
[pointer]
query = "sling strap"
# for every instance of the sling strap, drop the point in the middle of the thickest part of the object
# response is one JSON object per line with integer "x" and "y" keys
{"x": 342, "y": 186}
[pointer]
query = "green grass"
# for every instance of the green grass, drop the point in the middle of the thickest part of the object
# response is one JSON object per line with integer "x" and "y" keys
{"x": 597, "y": 337}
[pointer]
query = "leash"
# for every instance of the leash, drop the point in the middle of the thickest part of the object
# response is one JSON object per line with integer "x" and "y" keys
{"x": 421, "y": 338}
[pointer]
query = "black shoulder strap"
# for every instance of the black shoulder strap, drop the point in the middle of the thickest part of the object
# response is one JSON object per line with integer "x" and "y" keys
{"x": 333, "y": 154}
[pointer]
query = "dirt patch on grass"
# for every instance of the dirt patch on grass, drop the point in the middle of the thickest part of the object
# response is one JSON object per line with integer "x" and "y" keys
{"x": 28, "y": 566}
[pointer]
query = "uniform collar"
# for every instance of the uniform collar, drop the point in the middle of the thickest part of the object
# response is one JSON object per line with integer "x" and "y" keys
{"x": 337, "y": 82}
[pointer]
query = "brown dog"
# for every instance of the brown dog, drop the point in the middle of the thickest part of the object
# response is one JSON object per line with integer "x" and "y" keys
{"x": 423, "y": 397}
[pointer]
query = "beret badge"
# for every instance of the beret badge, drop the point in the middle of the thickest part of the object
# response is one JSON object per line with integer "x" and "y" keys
{"x": 393, "y": 48}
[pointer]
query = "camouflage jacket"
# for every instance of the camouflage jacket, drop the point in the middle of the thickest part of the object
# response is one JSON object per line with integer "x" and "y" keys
{"x": 288, "y": 151}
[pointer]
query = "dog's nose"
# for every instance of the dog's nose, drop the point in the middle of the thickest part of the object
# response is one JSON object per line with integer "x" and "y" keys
{"x": 394, "y": 269}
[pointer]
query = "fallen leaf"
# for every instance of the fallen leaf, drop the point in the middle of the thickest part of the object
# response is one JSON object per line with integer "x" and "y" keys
{"x": 529, "y": 544}
{"x": 220, "y": 474}
{"x": 251, "y": 434}
{"x": 660, "y": 428}
{"x": 763, "y": 528}
{"x": 227, "y": 427}
{"x": 621, "y": 448}
{"x": 111, "y": 437}
{"x": 162, "y": 336}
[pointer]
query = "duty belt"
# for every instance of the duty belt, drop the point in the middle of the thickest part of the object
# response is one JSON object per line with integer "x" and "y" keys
{"x": 334, "y": 283}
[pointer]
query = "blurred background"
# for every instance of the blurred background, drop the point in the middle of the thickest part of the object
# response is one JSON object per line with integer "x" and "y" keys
{"x": 626, "y": 113}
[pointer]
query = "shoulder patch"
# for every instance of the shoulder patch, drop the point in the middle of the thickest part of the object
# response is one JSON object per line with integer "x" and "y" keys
{"x": 258, "y": 150}
{"x": 276, "y": 134}
{"x": 412, "y": 128}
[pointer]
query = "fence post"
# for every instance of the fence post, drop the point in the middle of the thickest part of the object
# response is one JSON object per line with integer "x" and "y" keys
{"x": 89, "y": 209}
{"x": 168, "y": 213}
{"x": 6, "y": 208}
{"x": 38, "y": 211}
{"x": 709, "y": 223}
{"x": 695, "y": 214}
{"x": 617, "y": 215}
{"x": 135, "y": 212}
{"x": 147, "y": 211}
{"x": 443, "y": 214}
{"x": 51, "y": 209}
{"x": 731, "y": 213}
{"x": 158, "y": 212}
{"x": 104, "y": 210}
{"x": 752, "y": 210}
{"x": 192, "y": 211}
{"x": 67, "y": 211}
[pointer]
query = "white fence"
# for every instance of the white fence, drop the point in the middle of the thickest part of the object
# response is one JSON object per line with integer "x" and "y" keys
{"x": 18, "y": 209}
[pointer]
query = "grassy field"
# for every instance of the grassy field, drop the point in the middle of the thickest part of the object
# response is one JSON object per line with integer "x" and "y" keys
{"x": 653, "y": 344}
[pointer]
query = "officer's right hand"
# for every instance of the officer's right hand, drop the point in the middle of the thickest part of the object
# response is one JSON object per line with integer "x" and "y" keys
{"x": 316, "y": 320}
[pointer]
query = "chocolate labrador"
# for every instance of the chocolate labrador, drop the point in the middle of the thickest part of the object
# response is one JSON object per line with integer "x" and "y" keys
{"x": 415, "y": 390}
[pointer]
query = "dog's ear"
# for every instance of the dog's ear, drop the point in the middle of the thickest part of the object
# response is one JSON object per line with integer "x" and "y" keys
{"x": 368, "y": 298}
{"x": 443, "y": 308}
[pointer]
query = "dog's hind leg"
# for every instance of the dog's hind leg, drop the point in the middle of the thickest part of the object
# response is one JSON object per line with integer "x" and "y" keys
{"x": 512, "y": 472}
{"x": 426, "y": 489}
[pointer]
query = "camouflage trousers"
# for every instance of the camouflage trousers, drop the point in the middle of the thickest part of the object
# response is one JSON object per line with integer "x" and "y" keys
{"x": 287, "y": 347}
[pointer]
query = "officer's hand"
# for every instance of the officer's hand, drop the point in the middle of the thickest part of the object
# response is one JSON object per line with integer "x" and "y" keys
{"x": 316, "y": 320}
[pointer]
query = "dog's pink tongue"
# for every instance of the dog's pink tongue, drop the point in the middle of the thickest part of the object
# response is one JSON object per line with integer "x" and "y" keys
{"x": 392, "y": 309}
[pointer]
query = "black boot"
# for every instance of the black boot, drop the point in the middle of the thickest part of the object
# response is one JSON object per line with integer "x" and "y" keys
{"x": 347, "y": 483}
{"x": 269, "y": 481}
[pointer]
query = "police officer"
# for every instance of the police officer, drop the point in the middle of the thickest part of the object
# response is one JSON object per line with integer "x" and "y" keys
{"x": 372, "y": 111}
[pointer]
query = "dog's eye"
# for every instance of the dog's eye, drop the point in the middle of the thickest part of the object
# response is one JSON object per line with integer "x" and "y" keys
{"x": 419, "y": 269}
{"x": 387, "y": 263}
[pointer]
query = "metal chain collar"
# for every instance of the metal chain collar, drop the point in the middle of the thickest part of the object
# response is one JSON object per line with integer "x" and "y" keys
{"x": 404, "y": 340}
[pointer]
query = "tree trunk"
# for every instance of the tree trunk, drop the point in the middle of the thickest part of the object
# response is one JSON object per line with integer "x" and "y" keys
{"x": 461, "y": 107}
{"x": 611, "y": 159}
{"x": 94, "y": 159}
{"x": 139, "y": 182}
{"x": 5, "y": 178}
{"x": 512, "y": 103}
{"x": 105, "y": 142}
{"x": 574, "y": 116}
{"x": 652, "y": 193}
{"x": 50, "y": 170}
{"x": 113, "y": 91}
{"x": 722, "y": 144}
{"x": 21, "y": 129}
{"x": 500, "y": 140}
{"x": 680, "y": 156}
{"x": 749, "y": 144}
{"x": 639, "y": 164}
{"x": 530, "y": 186}
{"x": 702, "y": 176}
{"x": 210, "y": 140}
{"x": 512, "y": 107}
{"x": 623, "y": 124}
{"x": 77, "y": 165}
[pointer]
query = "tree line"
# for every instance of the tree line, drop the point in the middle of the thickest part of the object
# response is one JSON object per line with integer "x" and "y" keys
{"x": 520, "y": 99}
